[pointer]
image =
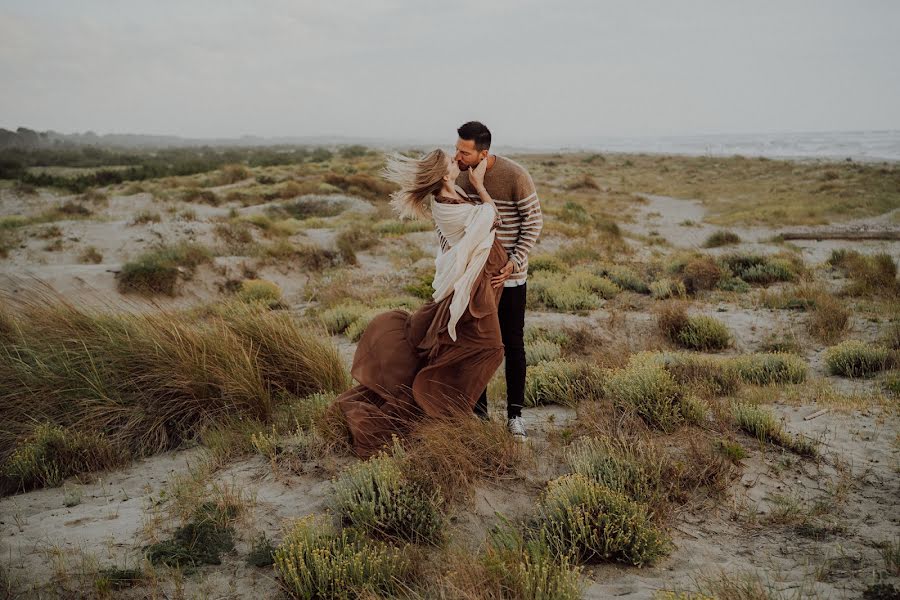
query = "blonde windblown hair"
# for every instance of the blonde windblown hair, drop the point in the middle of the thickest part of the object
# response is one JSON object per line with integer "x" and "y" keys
{"x": 418, "y": 178}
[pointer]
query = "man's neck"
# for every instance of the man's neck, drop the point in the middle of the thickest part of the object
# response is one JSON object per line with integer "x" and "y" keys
{"x": 492, "y": 158}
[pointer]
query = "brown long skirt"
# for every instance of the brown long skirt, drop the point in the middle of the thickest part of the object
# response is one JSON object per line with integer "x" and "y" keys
{"x": 408, "y": 368}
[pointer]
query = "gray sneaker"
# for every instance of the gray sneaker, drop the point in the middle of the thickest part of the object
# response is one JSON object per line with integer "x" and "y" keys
{"x": 516, "y": 427}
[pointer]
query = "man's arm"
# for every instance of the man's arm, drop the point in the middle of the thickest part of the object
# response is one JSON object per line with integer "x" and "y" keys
{"x": 529, "y": 207}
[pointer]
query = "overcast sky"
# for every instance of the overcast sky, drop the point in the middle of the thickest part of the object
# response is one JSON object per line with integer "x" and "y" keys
{"x": 535, "y": 72}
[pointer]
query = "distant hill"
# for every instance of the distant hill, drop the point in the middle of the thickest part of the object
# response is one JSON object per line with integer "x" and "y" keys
{"x": 29, "y": 139}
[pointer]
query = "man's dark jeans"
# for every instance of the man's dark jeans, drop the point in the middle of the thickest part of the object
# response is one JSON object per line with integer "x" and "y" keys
{"x": 512, "y": 329}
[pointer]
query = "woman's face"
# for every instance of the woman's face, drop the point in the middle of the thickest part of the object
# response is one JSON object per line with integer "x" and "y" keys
{"x": 452, "y": 169}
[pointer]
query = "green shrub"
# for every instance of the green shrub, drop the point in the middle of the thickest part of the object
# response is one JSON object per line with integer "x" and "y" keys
{"x": 733, "y": 284}
{"x": 562, "y": 382}
{"x": 572, "y": 291}
{"x": 588, "y": 522}
{"x": 663, "y": 289}
{"x": 696, "y": 332}
{"x": 754, "y": 268}
{"x": 763, "y": 425}
{"x": 632, "y": 467}
{"x": 541, "y": 350}
{"x": 527, "y": 569}
{"x": 648, "y": 390}
{"x": 694, "y": 409}
{"x": 545, "y": 263}
{"x": 260, "y": 290}
{"x": 766, "y": 368}
{"x": 721, "y": 238}
{"x": 703, "y": 333}
{"x": 157, "y": 271}
{"x": 715, "y": 375}
{"x": 51, "y": 454}
{"x": 314, "y": 562}
{"x": 854, "y": 358}
{"x": 338, "y": 318}
{"x": 892, "y": 383}
{"x": 306, "y": 207}
{"x": 625, "y": 278}
{"x": 423, "y": 286}
{"x": 377, "y": 498}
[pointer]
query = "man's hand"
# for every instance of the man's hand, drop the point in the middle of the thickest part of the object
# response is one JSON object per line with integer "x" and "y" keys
{"x": 476, "y": 174}
{"x": 505, "y": 272}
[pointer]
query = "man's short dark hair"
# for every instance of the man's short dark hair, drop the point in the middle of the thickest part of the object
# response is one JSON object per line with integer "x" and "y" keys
{"x": 477, "y": 132}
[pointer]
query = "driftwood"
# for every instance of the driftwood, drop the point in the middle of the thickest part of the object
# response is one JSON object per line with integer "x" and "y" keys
{"x": 885, "y": 234}
{"x": 818, "y": 413}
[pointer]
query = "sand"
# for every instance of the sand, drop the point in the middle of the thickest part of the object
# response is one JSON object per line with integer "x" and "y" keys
{"x": 43, "y": 542}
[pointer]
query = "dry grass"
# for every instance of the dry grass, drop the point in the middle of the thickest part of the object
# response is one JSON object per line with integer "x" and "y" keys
{"x": 697, "y": 332}
{"x": 870, "y": 274}
{"x": 150, "y": 381}
{"x": 454, "y": 456}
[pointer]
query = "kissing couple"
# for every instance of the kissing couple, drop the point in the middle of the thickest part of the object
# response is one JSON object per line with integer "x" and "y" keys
{"x": 436, "y": 362}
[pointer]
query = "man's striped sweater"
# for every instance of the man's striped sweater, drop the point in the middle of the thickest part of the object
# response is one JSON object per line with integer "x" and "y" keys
{"x": 512, "y": 189}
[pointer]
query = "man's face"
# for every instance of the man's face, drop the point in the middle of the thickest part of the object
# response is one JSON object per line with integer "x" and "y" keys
{"x": 466, "y": 154}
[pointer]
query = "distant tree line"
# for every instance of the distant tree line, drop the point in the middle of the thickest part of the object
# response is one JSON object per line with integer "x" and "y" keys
{"x": 141, "y": 164}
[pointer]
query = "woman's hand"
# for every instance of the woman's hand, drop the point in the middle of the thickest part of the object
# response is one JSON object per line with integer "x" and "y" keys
{"x": 476, "y": 175}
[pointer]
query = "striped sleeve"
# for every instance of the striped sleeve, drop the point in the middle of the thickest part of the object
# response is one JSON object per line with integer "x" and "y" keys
{"x": 443, "y": 245}
{"x": 532, "y": 220}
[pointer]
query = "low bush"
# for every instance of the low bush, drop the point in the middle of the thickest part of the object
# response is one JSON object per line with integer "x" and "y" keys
{"x": 587, "y": 522}
{"x": 721, "y": 238}
{"x": 158, "y": 271}
{"x": 663, "y": 289}
{"x": 770, "y": 367}
{"x": 754, "y": 268}
{"x": 261, "y": 291}
{"x": 541, "y": 350}
{"x": 314, "y": 562}
{"x": 854, "y": 358}
{"x": 649, "y": 391}
{"x": 715, "y": 376}
{"x": 763, "y": 425}
{"x": 51, "y": 453}
{"x": 526, "y": 569}
{"x": 377, "y": 498}
{"x": 572, "y": 291}
{"x": 625, "y": 278}
{"x": 562, "y": 382}
{"x": 697, "y": 332}
{"x": 633, "y": 467}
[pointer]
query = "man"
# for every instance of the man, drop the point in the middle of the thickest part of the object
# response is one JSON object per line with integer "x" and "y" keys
{"x": 512, "y": 188}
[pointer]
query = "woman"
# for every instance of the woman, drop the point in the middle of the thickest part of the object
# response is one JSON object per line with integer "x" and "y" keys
{"x": 435, "y": 362}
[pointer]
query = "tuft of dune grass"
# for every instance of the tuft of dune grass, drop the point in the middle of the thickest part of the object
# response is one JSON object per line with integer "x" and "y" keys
{"x": 150, "y": 381}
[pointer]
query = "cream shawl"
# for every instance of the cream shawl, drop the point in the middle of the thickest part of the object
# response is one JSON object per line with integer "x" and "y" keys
{"x": 468, "y": 229}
